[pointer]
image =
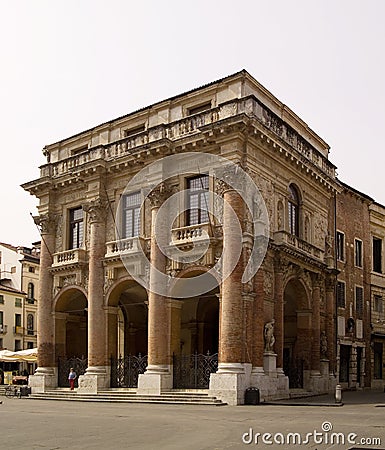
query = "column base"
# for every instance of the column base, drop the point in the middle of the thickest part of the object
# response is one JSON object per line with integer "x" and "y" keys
{"x": 272, "y": 385}
{"x": 95, "y": 379}
{"x": 230, "y": 382}
{"x": 43, "y": 379}
{"x": 155, "y": 380}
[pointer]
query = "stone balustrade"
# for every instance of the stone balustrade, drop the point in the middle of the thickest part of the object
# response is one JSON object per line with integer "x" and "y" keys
{"x": 283, "y": 237}
{"x": 190, "y": 233}
{"x": 249, "y": 106}
{"x": 69, "y": 257}
{"x": 123, "y": 247}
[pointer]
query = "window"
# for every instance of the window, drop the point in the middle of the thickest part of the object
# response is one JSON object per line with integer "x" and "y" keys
{"x": 1, "y": 318}
{"x": 31, "y": 291}
{"x": 340, "y": 246}
{"x": 1, "y": 343}
{"x": 358, "y": 253}
{"x": 340, "y": 294}
{"x": 293, "y": 206}
{"x": 31, "y": 269}
{"x": 135, "y": 130}
{"x": 17, "y": 320}
{"x": 17, "y": 345}
{"x": 30, "y": 323}
{"x": 2, "y": 299}
{"x": 378, "y": 352}
{"x": 198, "y": 109}
{"x": 198, "y": 199}
{"x": 131, "y": 215}
{"x": 76, "y": 228}
{"x": 18, "y": 302}
{"x": 30, "y": 345}
{"x": 377, "y": 255}
{"x": 378, "y": 304}
{"x": 359, "y": 300}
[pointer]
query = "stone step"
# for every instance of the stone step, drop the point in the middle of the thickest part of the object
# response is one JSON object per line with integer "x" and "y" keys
{"x": 122, "y": 396}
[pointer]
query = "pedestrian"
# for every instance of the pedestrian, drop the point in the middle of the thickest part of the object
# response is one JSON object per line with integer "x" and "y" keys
{"x": 71, "y": 378}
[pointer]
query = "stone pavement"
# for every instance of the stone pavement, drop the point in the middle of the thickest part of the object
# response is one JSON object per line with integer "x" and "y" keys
{"x": 41, "y": 424}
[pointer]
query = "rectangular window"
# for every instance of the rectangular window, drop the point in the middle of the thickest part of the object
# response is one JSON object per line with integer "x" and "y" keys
{"x": 377, "y": 255}
{"x": 198, "y": 109}
{"x": 135, "y": 130}
{"x": 18, "y": 302}
{"x": 358, "y": 252}
{"x": 340, "y": 246}
{"x": 76, "y": 228}
{"x": 17, "y": 345}
{"x": 378, "y": 304}
{"x": 1, "y": 319}
{"x": 1, "y": 343}
{"x": 17, "y": 320}
{"x": 30, "y": 345}
{"x": 340, "y": 294}
{"x": 198, "y": 200}
{"x": 359, "y": 300}
{"x": 131, "y": 215}
{"x": 2, "y": 299}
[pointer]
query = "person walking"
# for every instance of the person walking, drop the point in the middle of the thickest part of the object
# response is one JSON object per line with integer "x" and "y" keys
{"x": 71, "y": 378}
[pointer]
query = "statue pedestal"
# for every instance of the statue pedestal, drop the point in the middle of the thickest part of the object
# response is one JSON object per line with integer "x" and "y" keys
{"x": 270, "y": 363}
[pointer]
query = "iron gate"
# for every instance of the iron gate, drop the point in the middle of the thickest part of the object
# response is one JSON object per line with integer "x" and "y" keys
{"x": 125, "y": 370}
{"x": 193, "y": 371}
{"x": 64, "y": 365}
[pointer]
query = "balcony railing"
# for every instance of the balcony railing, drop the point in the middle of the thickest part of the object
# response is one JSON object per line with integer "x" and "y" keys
{"x": 18, "y": 330}
{"x": 3, "y": 329}
{"x": 191, "y": 233}
{"x": 124, "y": 247}
{"x": 283, "y": 237}
{"x": 69, "y": 257}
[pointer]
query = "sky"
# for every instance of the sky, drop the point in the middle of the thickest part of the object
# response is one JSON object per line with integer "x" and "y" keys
{"x": 69, "y": 66}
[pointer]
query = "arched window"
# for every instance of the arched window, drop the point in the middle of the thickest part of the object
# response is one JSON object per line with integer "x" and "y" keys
{"x": 293, "y": 207}
{"x": 31, "y": 291}
{"x": 30, "y": 324}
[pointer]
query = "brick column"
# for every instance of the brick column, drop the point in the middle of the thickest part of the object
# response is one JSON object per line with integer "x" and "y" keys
{"x": 279, "y": 313}
{"x": 316, "y": 329}
{"x": 158, "y": 373}
{"x": 45, "y": 375}
{"x": 231, "y": 348}
{"x": 258, "y": 322}
{"x": 96, "y": 376}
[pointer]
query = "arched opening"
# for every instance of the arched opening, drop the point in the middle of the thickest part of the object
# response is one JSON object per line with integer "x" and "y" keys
{"x": 127, "y": 332}
{"x": 297, "y": 333}
{"x": 71, "y": 340}
{"x": 197, "y": 332}
{"x": 71, "y": 323}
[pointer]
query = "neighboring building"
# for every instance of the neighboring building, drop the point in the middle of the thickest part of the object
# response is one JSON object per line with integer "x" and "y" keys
{"x": 353, "y": 252}
{"x": 19, "y": 268}
{"x": 276, "y": 331}
{"x": 377, "y": 295}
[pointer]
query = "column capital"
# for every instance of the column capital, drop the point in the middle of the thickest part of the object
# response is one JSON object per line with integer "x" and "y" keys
{"x": 47, "y": 222}
{"x": 96, "y": 210}
{"x": 316, "y": 279}
{"x": 159, "y": 194}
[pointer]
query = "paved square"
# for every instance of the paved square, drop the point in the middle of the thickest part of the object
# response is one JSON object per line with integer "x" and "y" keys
{"x": 37, "y": 424}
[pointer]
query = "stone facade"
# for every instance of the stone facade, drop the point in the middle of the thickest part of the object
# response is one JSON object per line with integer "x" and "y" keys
{"x": 103, "y": 290}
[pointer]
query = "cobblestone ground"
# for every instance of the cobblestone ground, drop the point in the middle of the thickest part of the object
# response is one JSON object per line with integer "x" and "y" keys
{"x": 36, "y": 424}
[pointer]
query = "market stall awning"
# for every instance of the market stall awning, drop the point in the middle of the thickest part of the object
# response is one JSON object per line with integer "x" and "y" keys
{"x": 29, "y": 355}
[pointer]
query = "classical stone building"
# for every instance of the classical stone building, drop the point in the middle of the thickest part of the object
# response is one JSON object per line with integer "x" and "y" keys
{"x": 111, "y": 294}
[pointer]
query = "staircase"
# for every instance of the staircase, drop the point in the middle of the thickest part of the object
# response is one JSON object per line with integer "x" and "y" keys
{"x": 129, "y": 396}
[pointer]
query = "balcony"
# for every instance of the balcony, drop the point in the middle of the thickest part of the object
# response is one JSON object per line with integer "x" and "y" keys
{"x": 3, "y": 329}
{"x": 191, "y": 234}
{"x": 285, "y": 238}
{"x": 124, "y": 247}
{"x": 69, "y": 257}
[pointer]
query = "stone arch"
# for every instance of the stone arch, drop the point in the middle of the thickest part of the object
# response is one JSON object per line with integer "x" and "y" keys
{"x": 297, "y": 330}
{"x": 126, "y": 302}
{"x": 71, "y": 322}
{"x": 199, "y": 314}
